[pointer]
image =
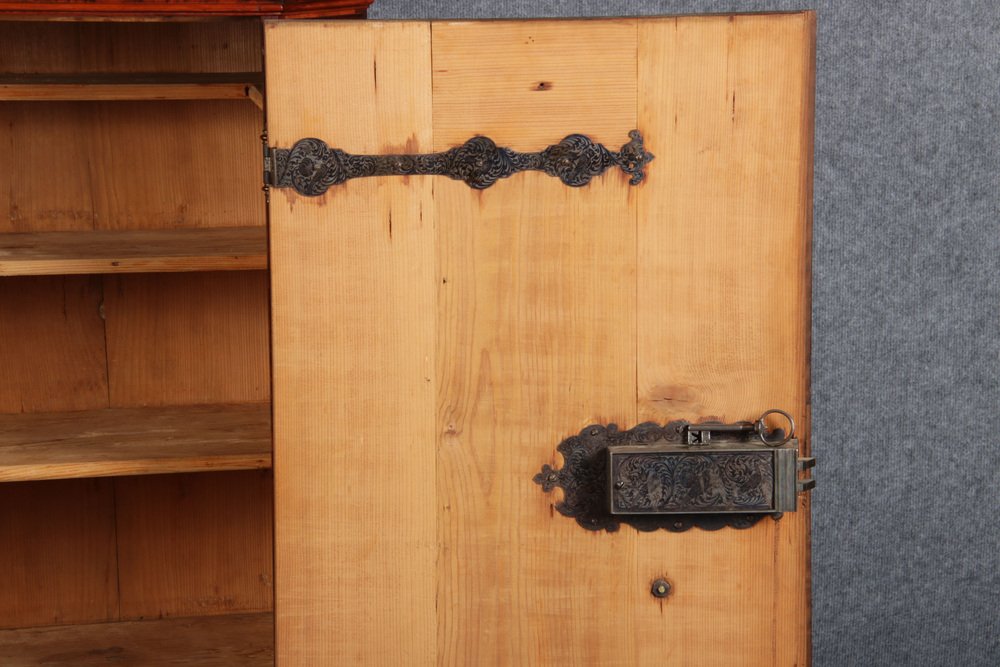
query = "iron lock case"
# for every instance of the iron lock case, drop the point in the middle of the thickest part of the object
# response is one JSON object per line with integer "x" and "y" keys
{"x": 680, "y": 475}
{"x": 683, "y": 478}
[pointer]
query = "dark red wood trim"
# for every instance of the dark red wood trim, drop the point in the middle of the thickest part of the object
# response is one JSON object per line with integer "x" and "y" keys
{"x": 319, "y": 8}
{"x": 71, "y": 8}
{"x": 167, "y": 8}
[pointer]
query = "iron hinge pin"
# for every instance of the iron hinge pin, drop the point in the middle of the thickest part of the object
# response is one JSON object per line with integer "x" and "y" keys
{"x": 268, "y": 161}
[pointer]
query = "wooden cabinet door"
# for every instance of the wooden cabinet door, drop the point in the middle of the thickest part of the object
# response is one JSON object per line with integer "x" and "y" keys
{"x": 434, "y": 343}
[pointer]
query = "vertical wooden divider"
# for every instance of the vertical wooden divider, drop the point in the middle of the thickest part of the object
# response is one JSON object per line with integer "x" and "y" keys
{"x": 353, "y": 353}
{"x": 724, "y": 307}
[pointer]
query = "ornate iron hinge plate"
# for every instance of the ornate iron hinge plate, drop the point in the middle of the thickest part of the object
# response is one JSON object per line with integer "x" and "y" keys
{"x": 311, "y": 167}
{"x": 678, "y": 476}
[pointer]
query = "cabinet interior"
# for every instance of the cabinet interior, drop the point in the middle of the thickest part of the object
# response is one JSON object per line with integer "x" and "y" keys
{"x": 135, "y": 478}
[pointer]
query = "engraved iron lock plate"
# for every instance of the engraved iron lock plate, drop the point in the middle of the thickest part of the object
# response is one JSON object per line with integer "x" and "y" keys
{"x": 673, "y": 477}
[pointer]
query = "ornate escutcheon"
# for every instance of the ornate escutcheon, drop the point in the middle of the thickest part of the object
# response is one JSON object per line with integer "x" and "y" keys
{"x": 311, "y": 167}
{"x": 673, "y": 477}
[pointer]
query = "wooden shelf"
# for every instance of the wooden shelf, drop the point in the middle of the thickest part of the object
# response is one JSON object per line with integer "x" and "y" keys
{"x": 144, "y": 251}
{"x": 96, "y": 87}
{"x": 206, "y": 641}
{"x": 134, "y": 441}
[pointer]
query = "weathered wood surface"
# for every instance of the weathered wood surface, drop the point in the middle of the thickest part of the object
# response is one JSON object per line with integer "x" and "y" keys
{"x": 143, "y": 251}
{"x": 134, "y": 441}
{"x": 222, "y": 641}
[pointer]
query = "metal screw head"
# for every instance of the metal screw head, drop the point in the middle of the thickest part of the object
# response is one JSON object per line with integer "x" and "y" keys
{"x": 660, "y": 588}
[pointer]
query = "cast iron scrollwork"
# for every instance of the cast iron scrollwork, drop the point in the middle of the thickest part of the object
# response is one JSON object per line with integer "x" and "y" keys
{"x": 311, "y": 167}
{"x": 699, "y": 480}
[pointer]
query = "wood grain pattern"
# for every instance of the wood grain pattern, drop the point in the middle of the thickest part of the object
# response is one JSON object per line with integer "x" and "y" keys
{"x": 58, "y": 555}
{"x": 221, "y": 641}
{"x": 353, "y": 339}
{"x": 53, "y": 47}
{"x": 127, "y": 164}
{"x": 207, "y": 169}
{"x": 726, "y": 101}
{"x": 536, "y": 339}
{"x": 143, "y": 441}
{"x": 172, "y": 167}
{"x": 146, "y": 251}
{"x": 130, "y": 165}
{"x": 552, "y": 308}
{"x": 187, "y": 338}
{"x": 34, "y": 133}
{"x": 524, "y": 81}
{"x": 52, "y": 352}
{"x": 195, "y": 544}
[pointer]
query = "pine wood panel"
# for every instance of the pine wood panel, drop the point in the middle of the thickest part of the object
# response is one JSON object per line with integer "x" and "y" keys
{"x": 51, "y": 345}
{"x": 220, "y": 641}
{"x": 35, "y": 133}
{"x": 525, "y": 81}
{"x": 134, "y": 441}
{"x": 66, "y": 253}
{"x": 553, "y": 308}
{"x": 187, "y": 338}
{"x": 723, "y": 316}
{"x": 194, "y": 544}
{"x": 125, "y": 165}
{"x": 50, "y": 47}
{"x": 130, "y": 165}
{"x": 536, "y": 332}
{"x": 353, "y": 331}
{"x": 58, "y": 555}
{"x": 176, "y": 164}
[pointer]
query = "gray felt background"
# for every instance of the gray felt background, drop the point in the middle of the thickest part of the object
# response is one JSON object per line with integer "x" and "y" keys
{"x": 906, "y": 318}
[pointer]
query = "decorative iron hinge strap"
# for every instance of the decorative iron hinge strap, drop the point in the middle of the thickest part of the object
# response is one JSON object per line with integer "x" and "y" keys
{"x": 311, "y": 167}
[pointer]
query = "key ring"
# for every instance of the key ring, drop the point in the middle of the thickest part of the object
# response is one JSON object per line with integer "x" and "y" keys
{"x": 760, "y": 428}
